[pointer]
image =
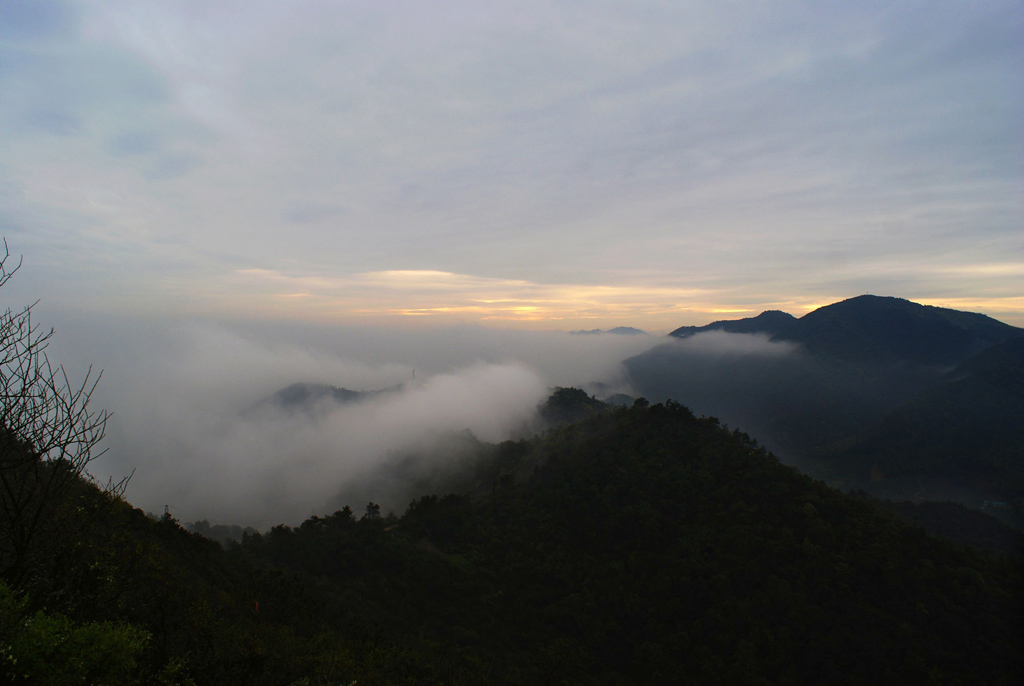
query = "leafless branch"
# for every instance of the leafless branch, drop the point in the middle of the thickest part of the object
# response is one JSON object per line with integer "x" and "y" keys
{"x": 49, "y": 434}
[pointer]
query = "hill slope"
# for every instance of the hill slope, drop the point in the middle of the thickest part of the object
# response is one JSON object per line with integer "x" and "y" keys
{"x": 642, "y": 545}
{"x": 649, "y": 546}
{"x": 965, "y": 430}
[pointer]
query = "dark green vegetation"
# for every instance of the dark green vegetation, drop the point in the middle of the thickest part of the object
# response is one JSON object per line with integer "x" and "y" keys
{"x": 959, "y": 524}
{"x": 901, "y": 399}
{"x": 222, "y": 533}
{"x": 568, "y": 405}
{"x": 641, "y": 545}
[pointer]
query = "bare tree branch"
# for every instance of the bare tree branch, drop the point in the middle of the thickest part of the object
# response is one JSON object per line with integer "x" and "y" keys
{"x": 49, "y": 434}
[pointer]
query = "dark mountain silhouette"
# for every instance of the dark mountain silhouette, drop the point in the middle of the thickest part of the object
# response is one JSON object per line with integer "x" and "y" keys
{"x": 771, "y": 322}
{"x": 881, "y": 393}
{"x": 965, "y": 431}
{"x": 299, "y": 394}
{"x": 646, "y": 545}
{"x": 1001, "y": 365}
{"x": 871, "y": 328}
{"x": 620, "y": 399}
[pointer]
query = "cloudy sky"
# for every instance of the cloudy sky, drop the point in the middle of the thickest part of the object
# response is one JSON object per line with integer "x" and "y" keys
{"x": 549, "y": 165}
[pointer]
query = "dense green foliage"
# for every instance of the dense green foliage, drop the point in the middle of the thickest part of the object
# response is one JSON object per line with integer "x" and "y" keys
{"x": 641, "y": 545}
{"x": 179, "y": 609}
{"x": 45, "y": 649}
{"x": 568, "y": 405}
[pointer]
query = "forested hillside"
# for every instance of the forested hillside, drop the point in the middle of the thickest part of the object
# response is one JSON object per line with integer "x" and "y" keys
{"x": 641, "y": 545}
{"x": 964, "y": 430}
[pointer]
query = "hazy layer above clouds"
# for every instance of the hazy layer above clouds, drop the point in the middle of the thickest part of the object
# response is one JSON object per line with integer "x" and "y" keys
{"x": 183, "y": 394}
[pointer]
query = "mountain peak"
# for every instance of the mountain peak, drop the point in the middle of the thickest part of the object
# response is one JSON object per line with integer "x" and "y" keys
{"x": 886, "y": 328}
{"x": 877, "y": 328}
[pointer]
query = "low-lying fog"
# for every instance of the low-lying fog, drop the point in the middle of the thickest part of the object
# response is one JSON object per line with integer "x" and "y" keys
{"x": 192, "y": 417}
{"x": 187, "y": 417}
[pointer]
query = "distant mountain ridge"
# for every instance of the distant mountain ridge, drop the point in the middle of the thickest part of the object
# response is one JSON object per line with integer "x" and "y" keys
{"x": 618, "y": 330}
{"x": 903, "y": 399}
{"x": 877, "y": 329}
{"x": 772, "y": 322}
{"x": 965, "y": 428}
{"x": 302, "y": 393}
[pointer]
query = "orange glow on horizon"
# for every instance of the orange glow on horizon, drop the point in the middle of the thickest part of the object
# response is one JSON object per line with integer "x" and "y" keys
{"x": 446, "y": 298}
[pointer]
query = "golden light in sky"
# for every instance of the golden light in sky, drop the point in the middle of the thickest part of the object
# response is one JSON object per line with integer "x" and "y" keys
{"x": 446, "y": 297}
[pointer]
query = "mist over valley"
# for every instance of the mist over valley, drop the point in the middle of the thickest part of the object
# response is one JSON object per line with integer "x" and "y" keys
{"x": 195, "y": 415}
{"x": 257, "y": 426}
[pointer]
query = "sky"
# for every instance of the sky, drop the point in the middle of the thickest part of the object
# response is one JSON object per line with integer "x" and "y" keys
{"x": 539, "y": 165}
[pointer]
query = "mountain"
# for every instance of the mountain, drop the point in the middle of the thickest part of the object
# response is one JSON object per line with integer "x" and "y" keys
{"x": 301, "y": 394}
{"x": 646, "y": 545}
{"x": 870, "y": 328}
{"x": 641, "y": 545}
{"x": 770, "y": 322}
{"x": 618, "y": 330}
{"x": 963, "y": 432}
{"x": 879, "y": 393}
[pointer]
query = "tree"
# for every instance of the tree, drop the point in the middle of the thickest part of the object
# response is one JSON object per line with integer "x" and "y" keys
{"x": 48, "y": 436}
{"x": 44, "y": 648}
